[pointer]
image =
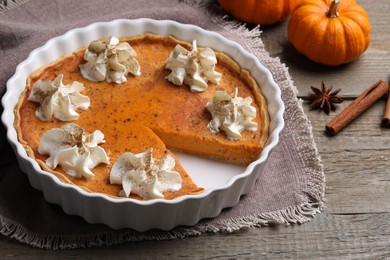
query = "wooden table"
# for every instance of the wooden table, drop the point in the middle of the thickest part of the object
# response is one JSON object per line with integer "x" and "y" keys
{"x": 356, "y": 221}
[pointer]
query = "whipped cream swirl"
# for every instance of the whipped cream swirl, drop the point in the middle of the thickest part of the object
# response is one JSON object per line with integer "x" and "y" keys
{"x": 58, "y": 99}
{"x": 76, "y": 152}
{"x": 195, "y": 68}
{"x": 111, "y": 62}
{"x": 145, "y": 176}
{"x": 231, "y": 114}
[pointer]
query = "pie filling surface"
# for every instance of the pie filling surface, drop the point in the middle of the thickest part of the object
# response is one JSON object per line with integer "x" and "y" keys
{"x": 147, "y": 111}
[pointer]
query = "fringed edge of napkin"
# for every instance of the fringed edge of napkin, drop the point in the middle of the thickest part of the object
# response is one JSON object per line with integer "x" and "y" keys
{"x": 62, "y": 241}
{"x": 6, "y": 5}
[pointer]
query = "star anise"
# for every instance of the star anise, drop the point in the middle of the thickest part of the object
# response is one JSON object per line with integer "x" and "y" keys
{"x": 325, "y": 99}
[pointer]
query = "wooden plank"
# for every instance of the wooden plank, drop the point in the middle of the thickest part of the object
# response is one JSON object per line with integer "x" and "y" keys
{"x": 355, "y": 162}
{"x": 329, "y": 236}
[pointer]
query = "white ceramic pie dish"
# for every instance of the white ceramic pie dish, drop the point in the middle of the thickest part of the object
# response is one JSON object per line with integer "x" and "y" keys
{"x": 223, "y": 188}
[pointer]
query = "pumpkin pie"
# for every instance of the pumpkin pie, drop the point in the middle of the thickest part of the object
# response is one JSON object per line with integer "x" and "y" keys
{"x": 146, "y": 111}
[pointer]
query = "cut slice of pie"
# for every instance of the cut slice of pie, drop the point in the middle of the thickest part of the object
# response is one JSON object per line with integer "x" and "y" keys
{"x": 148, "y": 111}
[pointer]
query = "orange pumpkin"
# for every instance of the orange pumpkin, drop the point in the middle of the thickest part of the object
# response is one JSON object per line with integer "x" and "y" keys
{"x": 329, "y": 32}
{"x": 259, "y": 11}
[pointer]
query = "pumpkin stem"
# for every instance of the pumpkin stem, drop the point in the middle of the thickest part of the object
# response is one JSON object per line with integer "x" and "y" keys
{"x": 332, "y": 12}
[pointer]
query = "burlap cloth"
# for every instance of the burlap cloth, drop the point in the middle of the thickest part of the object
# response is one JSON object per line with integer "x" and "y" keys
{"x": 290, "y": 190}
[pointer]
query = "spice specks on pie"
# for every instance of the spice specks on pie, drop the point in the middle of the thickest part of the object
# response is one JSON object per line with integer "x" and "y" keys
{"x": 146, "y": 112}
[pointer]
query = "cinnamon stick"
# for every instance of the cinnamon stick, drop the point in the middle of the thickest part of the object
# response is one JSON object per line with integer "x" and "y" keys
{"x": 386, "y": 115}
{"x": 358, "y": 106}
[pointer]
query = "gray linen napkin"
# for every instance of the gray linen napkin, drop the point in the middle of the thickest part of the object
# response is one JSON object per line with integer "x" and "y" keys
{"x": 290, "y": 190}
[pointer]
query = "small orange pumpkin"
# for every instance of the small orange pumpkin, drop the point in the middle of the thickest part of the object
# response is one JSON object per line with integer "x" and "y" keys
{"x": 329, "y": 32}
{"x": 259, "y": 11}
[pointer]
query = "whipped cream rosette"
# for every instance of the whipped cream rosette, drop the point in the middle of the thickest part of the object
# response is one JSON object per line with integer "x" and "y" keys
{"x": 111, "y": 62}
{"x": 75, "y": 151}
{"x": 58, "y": 100}
{"x": 231, "y": 114}
{"x": 194, "y": 68}
{"x": 144, "y": 175}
